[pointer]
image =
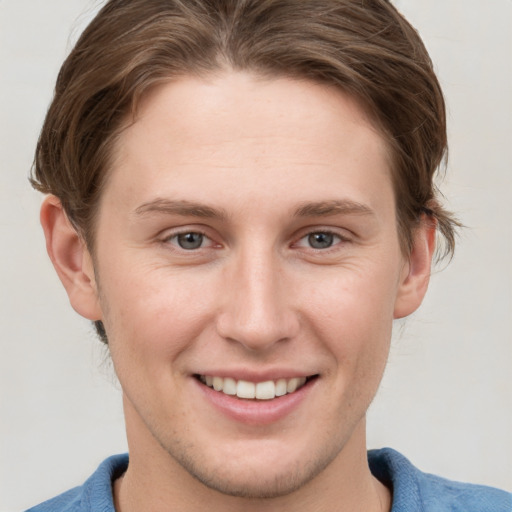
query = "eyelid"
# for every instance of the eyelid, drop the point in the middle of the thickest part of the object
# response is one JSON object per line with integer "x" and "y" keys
{"x": 304, "y": 234}
{"x": 171, "y": 234}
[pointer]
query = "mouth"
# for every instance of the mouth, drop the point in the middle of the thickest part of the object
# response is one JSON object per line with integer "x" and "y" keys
{"x": 266, "y": 390}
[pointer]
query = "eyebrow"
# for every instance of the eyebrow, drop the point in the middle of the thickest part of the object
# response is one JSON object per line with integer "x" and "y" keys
{"x": 308, "y": 209}
{"x": 185, "y": 208}
{"x": 333, "y": 207}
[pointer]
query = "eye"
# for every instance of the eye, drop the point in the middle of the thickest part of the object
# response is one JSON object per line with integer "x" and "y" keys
{"x": 188, "y": 241}
{"x": 320, "y": 240}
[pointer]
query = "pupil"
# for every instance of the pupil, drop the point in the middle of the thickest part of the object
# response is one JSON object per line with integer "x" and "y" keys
{"x": 190, "y": 240}
{"x": 320, "y": 240}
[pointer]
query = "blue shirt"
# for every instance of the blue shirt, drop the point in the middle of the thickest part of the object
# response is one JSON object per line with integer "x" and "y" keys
{"x": 413, "y": 490}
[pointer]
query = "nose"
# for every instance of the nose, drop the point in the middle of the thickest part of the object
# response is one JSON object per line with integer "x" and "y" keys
{"x": 257, "y": 310}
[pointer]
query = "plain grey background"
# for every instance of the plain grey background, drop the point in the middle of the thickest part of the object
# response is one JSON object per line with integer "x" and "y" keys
{"x": 446, "y": 399}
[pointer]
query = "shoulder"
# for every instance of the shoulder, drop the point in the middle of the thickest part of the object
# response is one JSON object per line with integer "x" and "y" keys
{"x": 414, "y": 490}
{"x": 66, "y": 502}
{"x": 94, "y": 495}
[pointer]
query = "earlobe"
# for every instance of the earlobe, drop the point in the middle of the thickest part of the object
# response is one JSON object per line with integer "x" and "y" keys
{"x": 71, "y": 259}
{"x": 416, "y": 276}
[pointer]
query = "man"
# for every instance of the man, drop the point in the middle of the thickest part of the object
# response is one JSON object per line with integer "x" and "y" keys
{"x": 241, "y": 199}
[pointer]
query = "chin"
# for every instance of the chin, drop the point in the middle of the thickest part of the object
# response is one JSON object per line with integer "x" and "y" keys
{"x": 255, "y": 484}
{"x": 254, "y": 479}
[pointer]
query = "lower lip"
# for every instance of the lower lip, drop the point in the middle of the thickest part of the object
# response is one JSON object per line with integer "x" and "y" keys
{"x": 256, "y": 412}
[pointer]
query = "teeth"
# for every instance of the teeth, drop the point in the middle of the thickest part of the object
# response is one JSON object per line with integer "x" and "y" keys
{"x": 281, "y": 387}
{"x": 292, "y": 385}
{"x": 218, "y": 383}
{"x": 265, "y": 390}
{"x": 261, "y": 390}
{"x": 229, "y": 386}
{"x": 245, "y": 389}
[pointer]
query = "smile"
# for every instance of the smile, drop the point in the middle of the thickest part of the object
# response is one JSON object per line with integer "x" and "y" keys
{"x": 266, "y": 390}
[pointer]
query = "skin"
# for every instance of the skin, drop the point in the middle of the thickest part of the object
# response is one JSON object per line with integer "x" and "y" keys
{"x": 255, "y": 166}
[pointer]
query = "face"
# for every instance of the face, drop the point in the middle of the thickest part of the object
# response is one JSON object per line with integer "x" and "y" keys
{"x": 248, "y": 270}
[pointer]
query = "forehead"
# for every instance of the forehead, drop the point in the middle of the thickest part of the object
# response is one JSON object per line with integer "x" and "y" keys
{"x": 242, "y": 105}
{"x": 240, "y": 131}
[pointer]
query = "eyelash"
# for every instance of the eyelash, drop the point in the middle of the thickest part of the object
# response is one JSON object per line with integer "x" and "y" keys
{"x": 175, "y": 236}
{"x": 336, "y": 239}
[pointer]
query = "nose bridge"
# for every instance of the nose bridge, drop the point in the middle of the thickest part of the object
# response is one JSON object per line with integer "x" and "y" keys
{"x": 257, "y": 312}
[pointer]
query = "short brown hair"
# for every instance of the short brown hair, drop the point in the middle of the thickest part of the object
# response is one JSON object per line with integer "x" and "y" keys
{"x": 363, "y": 47}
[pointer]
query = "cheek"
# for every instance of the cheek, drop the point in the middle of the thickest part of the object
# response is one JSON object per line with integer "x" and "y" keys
{"x": 152, "y": 316}
{"x": 354, "y": 300}
{"x": 352, "y": 316}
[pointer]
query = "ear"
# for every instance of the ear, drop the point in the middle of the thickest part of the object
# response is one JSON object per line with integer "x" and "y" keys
{"x": 416, "y": 272}
{"x": 71, "y": 259}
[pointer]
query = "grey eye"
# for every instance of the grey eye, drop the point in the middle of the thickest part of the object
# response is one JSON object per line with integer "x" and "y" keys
{"x": 190, "y": 241}
{"x": 321, "y": 240}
